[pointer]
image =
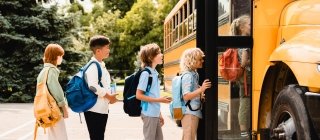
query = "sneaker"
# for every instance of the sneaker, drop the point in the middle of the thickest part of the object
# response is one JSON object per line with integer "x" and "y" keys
{"x": 245, "y": 134}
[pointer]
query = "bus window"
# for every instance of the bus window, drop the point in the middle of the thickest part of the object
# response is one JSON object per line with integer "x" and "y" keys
{"x": 234, "y": 94}
{"x": 180, "y": 34}
{"x": 228, "y": 11}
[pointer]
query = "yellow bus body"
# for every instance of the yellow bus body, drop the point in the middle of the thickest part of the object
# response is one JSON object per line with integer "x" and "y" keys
{"x": 284, "y": 31}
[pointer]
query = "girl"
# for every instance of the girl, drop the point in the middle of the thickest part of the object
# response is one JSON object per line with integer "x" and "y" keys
{"x": 241, "y": 27}
{"x": 52, "y": 58}
{"x": 190, "y": 61}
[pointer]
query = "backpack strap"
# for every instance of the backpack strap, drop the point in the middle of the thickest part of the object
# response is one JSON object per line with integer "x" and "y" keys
{"x": 189, "y": 101}
{"x": 45, "y": 79}
{"x": 99, "y": 70}
{"x": 149, "y": 79}
{"x": 144, "y": 105}
{"x": 35, "y": 131}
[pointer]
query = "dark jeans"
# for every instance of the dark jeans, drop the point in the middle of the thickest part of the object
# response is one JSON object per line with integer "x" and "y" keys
{"x": 96, "y": 124}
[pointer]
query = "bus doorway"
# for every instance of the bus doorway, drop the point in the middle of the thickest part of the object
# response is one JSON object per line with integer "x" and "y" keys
{"x": 229, "y": 102}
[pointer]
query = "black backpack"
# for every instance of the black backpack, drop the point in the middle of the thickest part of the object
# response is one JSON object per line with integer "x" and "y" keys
{"x": 131, "y": 105}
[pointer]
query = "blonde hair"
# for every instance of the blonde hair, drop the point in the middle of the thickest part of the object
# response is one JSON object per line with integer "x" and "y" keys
{"x": 238, "y": 23}
{"x": 189, "y": 59}
{"x": 52, "y": 52}
{"x": 148, "y": 53}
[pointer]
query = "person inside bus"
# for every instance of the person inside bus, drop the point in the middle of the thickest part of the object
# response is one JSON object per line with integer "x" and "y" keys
{"x": 241, "y": 27}
{"x": 190, "y": 61}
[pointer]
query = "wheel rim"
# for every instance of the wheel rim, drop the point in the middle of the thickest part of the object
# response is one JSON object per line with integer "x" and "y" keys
{"x": 285, "y": 127}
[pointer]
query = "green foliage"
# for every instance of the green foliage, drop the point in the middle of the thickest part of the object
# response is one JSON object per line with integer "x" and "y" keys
{"x": 76, "y": 7}
{"x": 127, "y": 33}
{"x": 121, "y": 5}
{"x": 97, "y": 11}
{"x": 27, "y": 29}
{"x": 136, "y": 24}
{"x": 85, "y": 19}
{"x": 107, "y": 25}
{"x": 129, "y": 29}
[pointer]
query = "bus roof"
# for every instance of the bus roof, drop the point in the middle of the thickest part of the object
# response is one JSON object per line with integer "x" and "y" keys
{"x": 174, "y": 10}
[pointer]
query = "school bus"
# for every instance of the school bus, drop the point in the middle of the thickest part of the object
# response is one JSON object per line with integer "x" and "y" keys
{"x": 285, "y": 65}
{"x": 180, "y": 34}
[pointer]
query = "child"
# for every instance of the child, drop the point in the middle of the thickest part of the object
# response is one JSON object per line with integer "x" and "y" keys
{"x": 241, "y": 27}
{"x": 151, "y": 56}
{"x": 190, "y": 61}
{"x": 97, "y": 116}
{"x": 52, "y": 58}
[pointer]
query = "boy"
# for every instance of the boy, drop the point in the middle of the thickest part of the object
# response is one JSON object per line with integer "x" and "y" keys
{"x": 151, "y": 56}
{"x": 97, "y": 116}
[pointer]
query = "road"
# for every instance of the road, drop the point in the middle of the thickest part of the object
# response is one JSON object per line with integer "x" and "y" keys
{"x": 17, "y": 123}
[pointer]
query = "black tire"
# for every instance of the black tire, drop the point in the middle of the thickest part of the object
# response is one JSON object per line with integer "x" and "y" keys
{"x": 290, "y": 105}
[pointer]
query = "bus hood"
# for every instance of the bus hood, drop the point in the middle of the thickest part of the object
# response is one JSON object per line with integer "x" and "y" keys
{"x": 304, "y": 47}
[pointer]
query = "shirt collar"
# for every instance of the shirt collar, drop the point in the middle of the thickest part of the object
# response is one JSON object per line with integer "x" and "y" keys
{"x": 152, "y": 70}
{"x": 50, "y": 65}
{"x": 101, "y": 63}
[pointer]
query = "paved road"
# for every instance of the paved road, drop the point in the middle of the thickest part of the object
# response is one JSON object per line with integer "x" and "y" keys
{"x": 17, "y": 123}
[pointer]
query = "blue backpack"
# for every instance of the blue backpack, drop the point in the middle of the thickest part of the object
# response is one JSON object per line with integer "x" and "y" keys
{"x": 178, "y": 106}
{"x": 131, "y": 105}
{"x": 80, "y": 98}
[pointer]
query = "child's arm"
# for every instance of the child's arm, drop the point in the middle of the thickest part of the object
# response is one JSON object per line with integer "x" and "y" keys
{"x": 140, "y": 96}
{"x": 245, "y": 59}
{"x": 206, "y": 84}
{"x": 161, "y": 120}
{"x": 65, "y": 112}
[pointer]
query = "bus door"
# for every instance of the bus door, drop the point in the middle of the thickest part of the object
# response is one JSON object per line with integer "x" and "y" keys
{"x": 228, "y": 104}
{"x": 233, "y": 50}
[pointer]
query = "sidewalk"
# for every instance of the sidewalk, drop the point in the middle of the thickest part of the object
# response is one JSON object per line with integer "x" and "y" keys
{"x": 17, "y": 123}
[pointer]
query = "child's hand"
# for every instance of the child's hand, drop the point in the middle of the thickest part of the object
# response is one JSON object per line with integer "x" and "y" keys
{"x": 161, "y": 121}
{"x": 113, "y": 98}
{"x": 169, "y": 98}
{"x": 203, "y": 97}
{"x": 65, "y": 112}
{"x": 205, "y": 85}
{"x": 165, "y": 100}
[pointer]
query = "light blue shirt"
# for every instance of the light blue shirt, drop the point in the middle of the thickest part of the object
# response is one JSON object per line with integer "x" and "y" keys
{"x": 189, "y": 84}
{"x": 150, "y": 109}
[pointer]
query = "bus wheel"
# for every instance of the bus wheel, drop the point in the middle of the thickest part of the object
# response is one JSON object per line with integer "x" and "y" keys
{"x": 289, "y": 117}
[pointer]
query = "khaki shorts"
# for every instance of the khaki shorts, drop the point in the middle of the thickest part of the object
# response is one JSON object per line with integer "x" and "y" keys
{"x": 151, "y": 128}
{"x": 189, "y": 125}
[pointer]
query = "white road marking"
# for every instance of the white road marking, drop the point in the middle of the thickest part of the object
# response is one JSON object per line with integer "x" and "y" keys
{"x": 13, "y": 109}
{"x": 17, "y": 128}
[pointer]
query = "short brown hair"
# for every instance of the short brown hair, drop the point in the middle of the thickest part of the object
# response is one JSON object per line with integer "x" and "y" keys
{"x": 52, "y": 52}
{"x": 98, "y": 41}
{"x": 148, "y": 53}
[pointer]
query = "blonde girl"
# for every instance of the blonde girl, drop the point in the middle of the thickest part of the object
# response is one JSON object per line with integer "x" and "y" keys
{"x": 241, "y": 27}
{"x": 191, "y": 60}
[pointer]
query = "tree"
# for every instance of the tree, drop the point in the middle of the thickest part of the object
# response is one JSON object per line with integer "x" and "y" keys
{"x": 121, "y": 5}
{"x": 107, "y": 25}
{"x": 25, "y": 30}
{"x": 136, "y": 25}
{"x": 142, "y": 24}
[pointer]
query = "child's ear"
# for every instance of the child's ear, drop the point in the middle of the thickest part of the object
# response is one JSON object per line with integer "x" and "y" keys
{"x": 97, "y": 51}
